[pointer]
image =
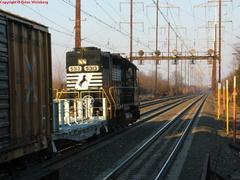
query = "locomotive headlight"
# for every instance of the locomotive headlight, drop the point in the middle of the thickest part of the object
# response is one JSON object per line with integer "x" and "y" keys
{"x": 82, "y": 61}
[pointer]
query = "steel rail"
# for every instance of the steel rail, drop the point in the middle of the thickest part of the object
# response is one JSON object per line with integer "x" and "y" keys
{"x": 165, "y": 99}
{"x": 176, "y": 149}
{"x": 173, "y": 102}
{"x": 140, "y": 150}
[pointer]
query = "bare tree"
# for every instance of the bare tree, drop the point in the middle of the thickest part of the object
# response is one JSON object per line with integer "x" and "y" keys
{"x": 59, "y": 75}
{"x": 236, "y": 60}
{"x": 177, "y": 82}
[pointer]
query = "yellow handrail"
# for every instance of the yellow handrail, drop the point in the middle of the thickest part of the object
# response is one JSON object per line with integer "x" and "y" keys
{"x": 59, "y": 94}
{"x": 55, "y": 90}
{"x": 115, "y": 104}
{"x": 108, "y": 101}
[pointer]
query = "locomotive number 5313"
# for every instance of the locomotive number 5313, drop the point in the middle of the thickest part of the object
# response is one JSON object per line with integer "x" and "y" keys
{"x": 75, "y": 68}
{"x": 91, "y": 68}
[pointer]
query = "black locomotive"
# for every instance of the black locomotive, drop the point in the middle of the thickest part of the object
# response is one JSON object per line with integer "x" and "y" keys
{"x": 96, "y": 75}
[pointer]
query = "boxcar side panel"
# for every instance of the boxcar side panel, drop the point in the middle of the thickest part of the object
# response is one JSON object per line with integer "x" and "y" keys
{"x": 29, "y": 85}
{"x": 4, "y": 87}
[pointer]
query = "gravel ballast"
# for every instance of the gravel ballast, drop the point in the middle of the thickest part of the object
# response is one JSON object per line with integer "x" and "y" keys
{"x": 210, "y": 138}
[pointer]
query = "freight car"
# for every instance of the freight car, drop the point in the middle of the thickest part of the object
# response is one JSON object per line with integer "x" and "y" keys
{"x": 101, "y": 95}
{"x": 25, "y": 88}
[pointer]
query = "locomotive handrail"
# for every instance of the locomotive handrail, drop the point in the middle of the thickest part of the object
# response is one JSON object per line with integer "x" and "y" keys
{"x": 103, "y": 91}
{"x": 93, "y": 91}
{"x": 60, "y": 93}
{"x": 115, "y": 104}
{"x": 56, "y": 92}
{"x": 108, "y": 101}
{"x": 72, "y": 112}
{"x": 67, "y": 92}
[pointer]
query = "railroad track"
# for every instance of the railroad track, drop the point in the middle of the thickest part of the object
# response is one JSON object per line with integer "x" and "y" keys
{"x": 154, "y": 106}
{"x": 148, "y": 103}
{"x": 154, "y": 158}
{"x": 156, "y": 110}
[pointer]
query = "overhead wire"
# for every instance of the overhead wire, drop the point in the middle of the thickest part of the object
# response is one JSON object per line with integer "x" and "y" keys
{"x": 46, "y": 18}
{"x": 55, "y": 43}
{"x": 114, "y": 9}
{"x": 72, "y": 35}
{"x": 105, "y": 12}
{"x": 39, "y": 13}
{"x": 177, "y": 29}
{"x": 194, "y": 19}
{"x": 68, "y": 34}
{"x": 106, "y": 24}
{"x": 103, "y": 9}
{"x": 148, "y": 37}
{"x": 179, "y": 34}
{"x": 164, "y": 17}
{"x": 124, "y": 32}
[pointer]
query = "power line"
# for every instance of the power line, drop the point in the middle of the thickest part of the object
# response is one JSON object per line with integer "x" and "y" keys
{"x": 46, "y": 18}
{"x": 106, "y": 24}
{"x": 71, "y": 35}
{"x": 170, "y": 25}
{"x": 177, "y": 29}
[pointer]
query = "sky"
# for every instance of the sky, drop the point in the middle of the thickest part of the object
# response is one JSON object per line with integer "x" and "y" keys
{"x": 105, "y": 24}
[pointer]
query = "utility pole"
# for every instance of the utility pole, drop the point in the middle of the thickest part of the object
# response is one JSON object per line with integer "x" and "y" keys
{"x": 156, "y": 71}
{"x": 220, "y": 36}
{"x": 168, "y": 88}
{"x": 78, "y": 24}
{"x": 157, "y": 62}
{"x": 214, "y": 65}
{"x": 186, "y": 77}
{"x": 176, "y": 78}
{"x": 181, "y": 70}
{"x": 131, "y": 27}
{"x": 220, "y": 40}
{"x": 156, "y": 4}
